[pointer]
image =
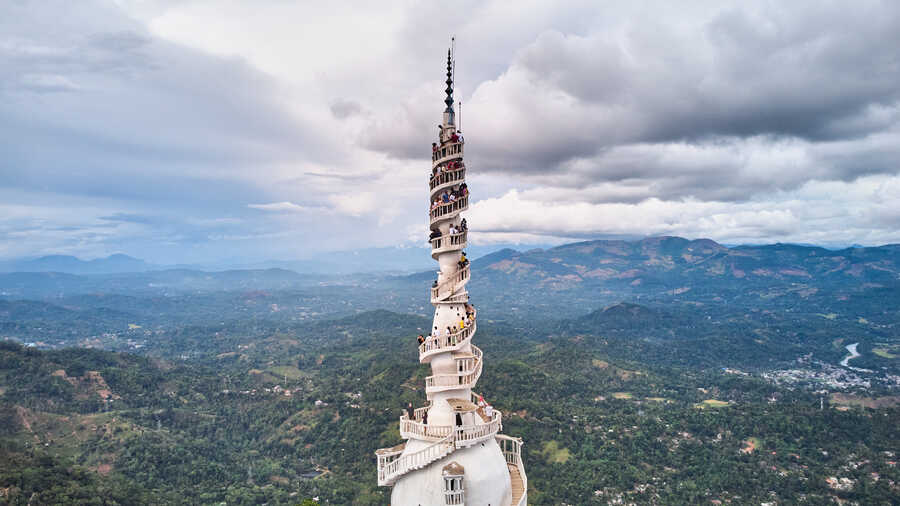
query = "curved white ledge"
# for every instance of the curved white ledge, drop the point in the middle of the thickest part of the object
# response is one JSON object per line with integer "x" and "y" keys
{"x": 447, "y": 243}
{"x": 449, "y": 286}
{"x": 446, "y": 153}
{"x": 449, "y": 210}
{"x": 447, "y": 177}
{"x": 466, "y": 378}
{"x": 442, "y": 344}
{"x": 464, "y": 436}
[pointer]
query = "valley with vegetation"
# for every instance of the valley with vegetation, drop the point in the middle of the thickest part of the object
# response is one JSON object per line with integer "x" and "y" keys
{"x": 659, "y": 371}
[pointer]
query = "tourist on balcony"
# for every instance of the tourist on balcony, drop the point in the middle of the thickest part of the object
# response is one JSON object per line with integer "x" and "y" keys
{"x": 421, "y": 339}
{"x": 461, "y": 137}
{"x": 489, "y": 411}
{"x": 454, "y": 138}
{"x": 463, "y": 226}
{"x": 434, "y": 146}
{"x": 445, "y": 197}
{"x": 410, "y": 412}
{"x": 425, "y": 418}
{"x": 463, "y": 260}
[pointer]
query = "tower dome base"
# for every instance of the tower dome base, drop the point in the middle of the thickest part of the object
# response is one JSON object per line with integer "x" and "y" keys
{"x": 486, "y": 479}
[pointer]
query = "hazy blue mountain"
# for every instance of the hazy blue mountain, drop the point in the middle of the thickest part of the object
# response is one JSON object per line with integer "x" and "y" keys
{"x": 682, "y": 264}
{"x": 590, "y": 274}
{"x": 73, "y": 265}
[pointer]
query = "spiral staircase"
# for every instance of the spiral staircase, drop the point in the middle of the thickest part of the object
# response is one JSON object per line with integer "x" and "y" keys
{"x": 456, "y": 362}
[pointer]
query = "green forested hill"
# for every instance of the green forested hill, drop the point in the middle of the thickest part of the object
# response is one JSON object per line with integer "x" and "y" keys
{"x": 662, "y": 371}
{"x": 601, "y": 420}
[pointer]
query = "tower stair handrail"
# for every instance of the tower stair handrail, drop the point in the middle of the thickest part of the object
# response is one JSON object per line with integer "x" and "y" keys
{"x": 512, "y": 452}
{"x": 444, "y": 343}
{"x": 464, "y": 436}
{"x": 447, "y": 176}
{"x": 391, "y": 471}
{"x": 446, "y": 152}
{"x": 461, "y": 379}
{"x": 446, "y": 242}
{"x": 441, "y": 292}
{"x": 448, "y": 210}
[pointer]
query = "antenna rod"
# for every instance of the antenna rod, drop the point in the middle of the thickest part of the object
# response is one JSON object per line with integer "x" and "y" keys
{"x": 453, "y": 54}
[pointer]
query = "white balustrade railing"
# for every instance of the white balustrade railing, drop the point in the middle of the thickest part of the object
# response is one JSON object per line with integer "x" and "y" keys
{"x": 464, "y": 436}
{"x": 392, "y": 465}
{"x": 446, "y": 152}
{"x": 419, "y": 430}
{"x": 446, "y": 287}
{"x": 461, "y": 298}
{"x": 455, "y": 497}
{"x": 512, "y": 452}
{"x": 449, "y": 242}
{"x": 447, "y": 176}
{"x": 462, "y": 379}
{"x": 451, "y": 342}
{"x": 468, "y": 436}
{"x": 458, "y": 205}
{"x": 390, "y": 471}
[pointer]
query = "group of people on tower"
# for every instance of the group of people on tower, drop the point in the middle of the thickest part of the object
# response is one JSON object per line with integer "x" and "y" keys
{"x": 448, "y": 197}
{"x": 454, "y": 137}
{"x": 446, "y": 168}
{"x": 464, "y": 321}
{"x": 453, "y": 230}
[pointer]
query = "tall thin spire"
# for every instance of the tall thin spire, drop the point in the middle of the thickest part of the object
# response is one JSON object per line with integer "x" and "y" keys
{"x": 449, "y": 90}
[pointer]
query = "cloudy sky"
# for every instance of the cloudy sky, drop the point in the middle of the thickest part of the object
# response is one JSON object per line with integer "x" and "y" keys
{"x": 201, "y": 131}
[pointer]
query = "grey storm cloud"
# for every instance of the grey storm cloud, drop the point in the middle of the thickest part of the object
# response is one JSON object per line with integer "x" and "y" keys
{"x": 164, "y": 126}
{"x": 610, "y": 104}
{"x": 131, "y": 115}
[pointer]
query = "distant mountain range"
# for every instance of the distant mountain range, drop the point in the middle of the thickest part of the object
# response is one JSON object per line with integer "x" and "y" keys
{"x": 72, "y": 265}
{"x": 593, "y": 272}
{"x": 682, "y": 264}
{"x": 396, "y": 259}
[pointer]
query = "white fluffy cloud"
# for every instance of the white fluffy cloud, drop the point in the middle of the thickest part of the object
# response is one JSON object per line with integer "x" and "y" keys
{"x": 159, "y": 127}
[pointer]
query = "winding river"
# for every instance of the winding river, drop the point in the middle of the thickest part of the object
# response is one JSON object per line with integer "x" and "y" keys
{"x": 853, "y": 354}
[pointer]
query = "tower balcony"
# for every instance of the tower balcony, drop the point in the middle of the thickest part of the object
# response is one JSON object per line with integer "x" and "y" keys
{"x": 444, "y": 343}
{"x": 460, "y": 298}
{"x": 469, "y": 367}
{"x": 447, "y": 243}
{"x": 446, "y": 152}
{"x": 464, "y": 436}
{"x": 445, "y": 439}
{"x": 449, "y": 210}
{"x": 449, "y": 286}
{"x": 447, "y": 177}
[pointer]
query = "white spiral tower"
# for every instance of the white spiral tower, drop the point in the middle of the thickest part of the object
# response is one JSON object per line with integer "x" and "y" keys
{"x": 454, "y": 452}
